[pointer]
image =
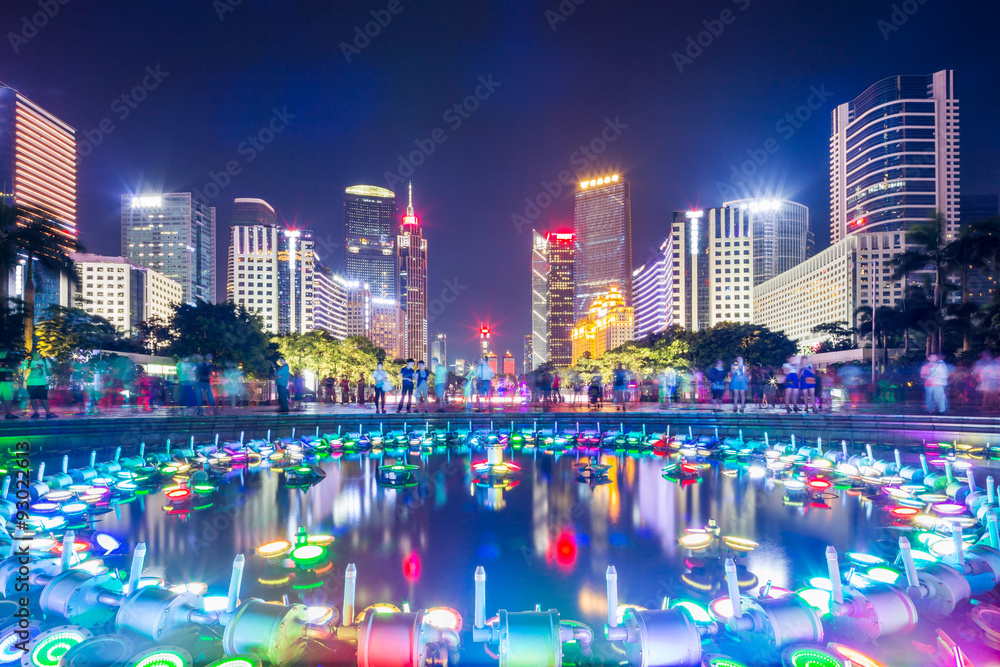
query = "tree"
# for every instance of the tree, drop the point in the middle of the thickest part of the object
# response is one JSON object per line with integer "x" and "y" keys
{"x": 227, "y": 332}
{"x": 926, "y": 252}
{"x": 27, "y": 233}
{"x": 727, "y": 340}
{"x": 65, "y": 334}
{"x": 841, "y": 337}
{"x": 323, "y": 355}
{"x": 153, "y": 333}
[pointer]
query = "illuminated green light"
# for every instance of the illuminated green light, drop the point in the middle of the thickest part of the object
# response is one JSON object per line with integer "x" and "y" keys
{"x": 49, "y": 649}
{"x": 161, "y": 659}
{"x": 806, "y": 657}
{"x": 725, "y": 662}
{"x": 237, "y": 661}
{"x": 308, "y": 552}
{"x": 698, "y": 613}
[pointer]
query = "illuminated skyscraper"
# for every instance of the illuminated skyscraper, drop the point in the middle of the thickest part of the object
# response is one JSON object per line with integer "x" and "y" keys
{"x": 38, "y": 164}
{"x": 330, "y": 299}
{"x": 173, "y": 234}
{"x": 527, "y": 354}
{"x": 122, "y": 293}
{"x": 560, "y": 298}
{"x": 610, "y": 323}
{"x": 439, "y": 348}
{"x": 652, "y": 292}
{"x": 508, "y": 363}
{"x": 370, "y": 215}
{"x": 411, "y": 250}
{"x": 603, "y": 224}
{"x": 491, "y": 361}
{"x": 539, "y": 301}
{"x": 387, "y": 327}
{"x": 780, "y": 230}
{"x": 252, "y": 274}
{"x": 894, "y": 156}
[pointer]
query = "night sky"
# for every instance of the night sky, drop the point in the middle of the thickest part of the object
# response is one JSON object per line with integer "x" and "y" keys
{"x": 225, "y": 68}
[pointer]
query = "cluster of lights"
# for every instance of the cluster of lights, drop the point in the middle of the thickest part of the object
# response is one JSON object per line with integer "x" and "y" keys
{"x": 148, "y": 201}
{"x": 598, "y": 181}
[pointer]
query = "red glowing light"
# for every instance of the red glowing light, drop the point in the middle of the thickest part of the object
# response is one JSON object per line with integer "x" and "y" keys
{"x": 411, "y": 567}
{"x": 818, "y": 484}
{"x": 77, "y": 547}
{"x": 179, "y": 494}
{"x": 565, "y": 548}
{"x": 905, "y": 511}
{"x": 409, "y": 219}
{"x": 560, "y": 236}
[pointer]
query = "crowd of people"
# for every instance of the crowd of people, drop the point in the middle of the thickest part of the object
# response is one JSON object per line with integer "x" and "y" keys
{"x": 107, "y": 381}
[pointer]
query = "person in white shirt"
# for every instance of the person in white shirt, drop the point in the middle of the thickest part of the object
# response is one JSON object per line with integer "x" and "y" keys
{"x": 381, "y": 379}
{"x": 440, "y": 383}
{"x": 484, "y": 383}
{"x": 935, "y": 374}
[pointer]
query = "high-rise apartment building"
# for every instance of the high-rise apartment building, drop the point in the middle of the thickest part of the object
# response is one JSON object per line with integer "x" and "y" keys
{"x": 528, "y": 354}
{"x": 652, "y": 292}
{"x": 491, "y": 361}
{"x": 38, "y": 165}
{"x": 411, "y": 250}
{"x": 609, "y": 324}
{"x": 894, "y": 156}
{"x": 330, "y": 302}
{"x": 173, "y": 234}
{"x": 439, "y": 348}
{"x": 387, "y": 327}
{"x": 560, "y": 298}
{"x": 602, "y": 221}
{"x": 122, "y": 293}
{"x": 507, "y": 366}
{"x": 780, "y": 230}
{"x": 370, "y": 222}
{"x": 539, "y": 301}
{"x": 359, "y": 309}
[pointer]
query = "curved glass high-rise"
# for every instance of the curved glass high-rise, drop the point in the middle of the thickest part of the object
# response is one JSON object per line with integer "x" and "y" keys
{"x": 894, "y": 156}
{"x": 780, "y": 232}
{"x": 370, "y": 225}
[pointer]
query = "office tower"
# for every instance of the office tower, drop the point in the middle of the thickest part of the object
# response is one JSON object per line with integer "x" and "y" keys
{"x": 560, "y": 298}
{"x": 780, "y": 230}
{"x": 894, "y": 156}
{"x": 330, "y": 302}
{"x": 439, "y": 348}
{"x": 387, "y": 327}
{"x": 461, "y": 366}
{"x": 254, "y": 266}
{"x": 689, "y": 243}
{"x": 359, "y": 308}
{"x": 38, "y": 165}
{"x": 610, "y": 323}
{"x": 539, "y": 301}
{"x": 297, "y": 263}
{"x": 122, "y": 293}
{"x": 491, "y": 361}
{"x": 528, "y": 354}
{"x": 173, "y": 234}
{"x": 652, "y": 292}
{"x": 370, "y": 215}
{"x": 508, "y": 363}
{"x": 411, "y": 249}
{"x": 602, "y": 220}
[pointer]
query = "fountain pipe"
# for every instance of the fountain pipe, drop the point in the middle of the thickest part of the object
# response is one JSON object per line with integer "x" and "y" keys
{"x": 899, "y": 460}
{"x": 908, "y": 565}
{"x": 923, "y": 464}
{"x": 734, "y": 588}
{"x": 41, "y": 470}
{"x": 69, "y": 542}
{"x": 480, "y": 577}
{"x": 235, "y": 583}
{"x": 956, "y": 539}
{"x": 135, "y": 572}
{"x": 833, "y": 565}
{"x": 350, "y": 582}
{"x": 947, "y": 471}
{"x": 991, "y": 525}
{"x": 612, "y": 577}
{"x": 991, "y": 491}
{"x": 970, "y": 477}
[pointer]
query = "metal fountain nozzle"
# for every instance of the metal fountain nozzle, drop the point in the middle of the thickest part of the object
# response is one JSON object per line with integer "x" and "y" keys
{"x": 612, "y": 631}
{"x": 135, "y": 572}
{"x": 736, "y": 621}
{"x": 837, "y": 606}
{"x": 914, "y": 590}
{"x": 480, "y": 631}
{"x": 235, "y": 583}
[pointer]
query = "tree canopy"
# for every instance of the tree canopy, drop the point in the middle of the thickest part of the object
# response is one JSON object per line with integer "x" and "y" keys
{"x": 227, "y": 332}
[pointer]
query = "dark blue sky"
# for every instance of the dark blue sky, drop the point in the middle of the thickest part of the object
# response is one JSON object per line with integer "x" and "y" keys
{"x": 221, "y": 80}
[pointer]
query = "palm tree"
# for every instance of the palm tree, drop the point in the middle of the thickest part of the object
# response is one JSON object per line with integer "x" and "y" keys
{"x": 27, "y": 233}
{"x": 926, "y": 252}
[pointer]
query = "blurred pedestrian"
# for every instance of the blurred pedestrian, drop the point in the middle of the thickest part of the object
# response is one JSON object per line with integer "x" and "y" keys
{"x": 738, "y": 385}
{"x": 8, "y": 369}
{"x": 717, "y": 383}
{"x": 408, "y": 374}
{"x": 791, "y": 385}
{"x": 807, "y": 385}
{"x": 39, "y": 371}
{"x": 421, "y": 382}
{"x": 362, "y": 388}
{"x": 987, "y": 375}
{"x": 484, "y": 384}
{"x": 281, "y": 375}
{"x": 440, "y": 383}
{"x": 345, "y": 390}
{"x": 382, "y": 387}
{"x": 620, "y": 388}
{"x": 203, "y": 387}
{"x": 935, "y": 375}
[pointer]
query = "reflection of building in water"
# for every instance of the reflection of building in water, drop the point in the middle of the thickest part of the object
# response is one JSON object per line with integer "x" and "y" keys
{"x": 656, "y": 500}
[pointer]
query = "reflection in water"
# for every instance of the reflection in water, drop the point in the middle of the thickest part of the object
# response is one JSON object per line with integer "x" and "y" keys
{"x": 547, "y": 539}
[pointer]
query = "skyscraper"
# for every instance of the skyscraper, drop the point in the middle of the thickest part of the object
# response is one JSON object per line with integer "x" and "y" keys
{"x": 411, "y": 249}
{"x": 174, "y": 234}
{"x": 894, "y": 156}
{"x": 297, "y": 262}
{"x": 507, "y": 367}
{"x": 359, "y": 309}
{"x": 387, "y": 327}
{"x": 652, "y": 292}
{"x": 252, "y": 274}
{"x": 780, "y": 230}
{"x": 38, "y": 164}
{"x": 370, "y": 215}
{"x": 603, "y": 224}
{"x": 539, "y": 301}
{"x": 609, "y": 324}
{"x": 439, "y": 348}
{"x": 528, "y": 354}
{"x": 330, "y": 299}
{"x": 560, "y": 298}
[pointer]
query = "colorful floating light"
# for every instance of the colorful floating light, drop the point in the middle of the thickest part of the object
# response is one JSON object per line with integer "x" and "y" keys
{"x": 698, "y": 613}
{"x": 168, "y": 657}
{"x": 444, "y": 618}
{"x": 857, "y": 658}
{"x": 810, "y": 657}
{"x": 695, "y": 541}
{"x": 307, "y": 553}
{"x": 817, "y": 598}
{"x": 274, "y": 549}
{"x": 196, "y": 587}
{"x": 51, "y": 646}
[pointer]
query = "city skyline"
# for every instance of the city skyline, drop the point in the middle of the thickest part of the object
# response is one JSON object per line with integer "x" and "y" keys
{"x": 677, "y": 156}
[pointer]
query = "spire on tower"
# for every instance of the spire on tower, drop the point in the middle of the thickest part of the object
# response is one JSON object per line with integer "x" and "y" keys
{"x": 410, "y": 218}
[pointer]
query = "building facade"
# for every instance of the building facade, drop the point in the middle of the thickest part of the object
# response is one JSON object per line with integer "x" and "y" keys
{"x": 830, "y": 286}
{"x": 359, "y": 309}
{"x": 508, "y": 364}
{"x": 370, "y": 221}
{"x": 602, "y": 221}
{"x": 894, "y": 156}
{"x": 560, "y": 298}
{"x": 122, "y": 293}
{"x": 780, "y": 230}
{"x": 609, "y": 324}
{"x": 652, "y": 292}
{"x": 439, "y": 348}
{"x": 411, "y": 250}
{"x": 172, "y": 234}
{"x": 330, "y": 302}
{"x": 528, "y": 354}
{"x": 387, "y": 327}
{"x": 539, "y": 301}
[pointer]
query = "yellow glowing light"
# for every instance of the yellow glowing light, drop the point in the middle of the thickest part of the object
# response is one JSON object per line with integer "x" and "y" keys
{"x": 614, "y": 179}
{"x": 695, "y": 541}
{"x": 380, "y": 608}
{"x": 444, "y": 618}
{"x": 319, "y": 615}
{"x": 739, "y": 543}
{"x": 320, "y": 540}
{"x": 593, "y": 182}
{"x": 274, "y": 549}
{"x": 195, "y": 587}
{"x": 623, "y": 607}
